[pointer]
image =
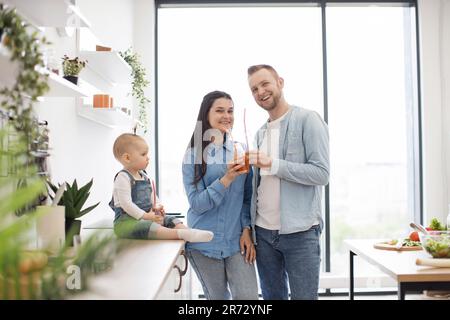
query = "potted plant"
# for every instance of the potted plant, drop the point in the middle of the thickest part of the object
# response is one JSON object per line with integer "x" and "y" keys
{"x": 73, "y": 200}
{"x": 72, "y": 68}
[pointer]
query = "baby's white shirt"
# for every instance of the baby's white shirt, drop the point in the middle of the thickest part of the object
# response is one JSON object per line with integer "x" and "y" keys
{"x": 122, "y": 196}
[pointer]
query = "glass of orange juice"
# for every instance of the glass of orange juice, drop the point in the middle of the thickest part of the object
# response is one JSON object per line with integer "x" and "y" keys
{"x": 240, "y": 152}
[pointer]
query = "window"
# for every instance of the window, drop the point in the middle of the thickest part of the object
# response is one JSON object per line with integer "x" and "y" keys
{"x": 370, "y": 100}
{"x": 211, "y": 50}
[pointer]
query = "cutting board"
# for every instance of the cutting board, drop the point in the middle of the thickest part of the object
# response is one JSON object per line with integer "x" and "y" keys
{"x": 438, "y": 263}
{"x": 385, "y": 246}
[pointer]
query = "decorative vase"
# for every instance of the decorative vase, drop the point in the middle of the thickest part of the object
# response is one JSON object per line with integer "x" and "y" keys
{"x": 73, "y": 79}
{"x": 50, "y": 228}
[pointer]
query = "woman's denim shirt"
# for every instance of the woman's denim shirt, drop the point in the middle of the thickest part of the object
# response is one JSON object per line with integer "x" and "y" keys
{"x": 224, "y": 211}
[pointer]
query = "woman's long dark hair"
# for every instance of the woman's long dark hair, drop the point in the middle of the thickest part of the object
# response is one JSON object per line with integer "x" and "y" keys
{"x": 202, "y": 118}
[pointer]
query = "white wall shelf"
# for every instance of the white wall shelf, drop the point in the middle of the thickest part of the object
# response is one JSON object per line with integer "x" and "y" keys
{"x": 49, "y": 13}
{"x": 109, "y": 65}
{"x": 109, "y": 117}
{"x": 59, "y": 87}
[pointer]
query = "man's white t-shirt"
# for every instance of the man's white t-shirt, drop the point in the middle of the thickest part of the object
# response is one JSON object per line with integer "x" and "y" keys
{"x": 268, "y": 204}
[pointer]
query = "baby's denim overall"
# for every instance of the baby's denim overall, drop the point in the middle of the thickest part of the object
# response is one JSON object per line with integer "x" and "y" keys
{"x": 126, "y": 226}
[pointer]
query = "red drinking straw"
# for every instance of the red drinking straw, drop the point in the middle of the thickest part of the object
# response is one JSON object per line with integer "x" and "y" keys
{"x": 245, "y": 130}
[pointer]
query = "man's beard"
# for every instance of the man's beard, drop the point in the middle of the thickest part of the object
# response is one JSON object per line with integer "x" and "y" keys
{"x": 273, "y": 105}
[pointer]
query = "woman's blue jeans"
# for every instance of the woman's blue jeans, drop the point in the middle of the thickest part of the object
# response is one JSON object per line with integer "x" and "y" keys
{"x": 288, "y": 258}
{"x": 223, "y": 279}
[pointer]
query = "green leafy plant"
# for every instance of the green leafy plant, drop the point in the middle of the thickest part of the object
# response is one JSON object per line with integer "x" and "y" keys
{"x": 17, "y": 100}
{"x": 72, "y": 67}
{"x": 73, "y": 200}
{"x": 33, "y": 274}
{"x": 23, "y": 48}
{"x": 139, "y": 84}
{"x": 435, "y": 224}
{"x": 14, "y": 280}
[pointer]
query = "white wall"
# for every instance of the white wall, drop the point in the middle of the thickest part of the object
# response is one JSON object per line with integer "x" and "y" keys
{"x": 80, "y": 148}
{"x": 434, "y": 22}
{"x": 144, "y": 45}
{"x": 445, "y": 58}
{"x": 111, "y": 21}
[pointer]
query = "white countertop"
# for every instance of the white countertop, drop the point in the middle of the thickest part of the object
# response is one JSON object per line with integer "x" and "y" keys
{"x": 138, "y": 273}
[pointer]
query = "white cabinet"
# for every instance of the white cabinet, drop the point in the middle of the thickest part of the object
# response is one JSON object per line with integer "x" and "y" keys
{"x": 145, "y": 270}
{"x": 177, "y": 285}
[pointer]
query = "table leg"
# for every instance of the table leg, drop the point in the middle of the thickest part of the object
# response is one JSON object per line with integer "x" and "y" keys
{"x": 401, "y": 291}
{"x": 352, "y": 277}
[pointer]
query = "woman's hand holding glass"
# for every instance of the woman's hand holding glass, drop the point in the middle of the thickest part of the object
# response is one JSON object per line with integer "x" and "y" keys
{"x": 234, "y": 169}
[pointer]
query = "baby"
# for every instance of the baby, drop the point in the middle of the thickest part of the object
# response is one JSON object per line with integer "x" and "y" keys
{"x": 136, "y": 217}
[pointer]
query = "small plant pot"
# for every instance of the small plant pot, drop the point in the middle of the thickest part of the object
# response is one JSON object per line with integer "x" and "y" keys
{"x": 72, "y": 79}
{"x": 73, "y": 228}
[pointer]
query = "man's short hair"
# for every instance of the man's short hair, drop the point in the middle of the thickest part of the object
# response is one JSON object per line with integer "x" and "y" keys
{"x": 124, "y": 143}
{"x": 252, "y": 69}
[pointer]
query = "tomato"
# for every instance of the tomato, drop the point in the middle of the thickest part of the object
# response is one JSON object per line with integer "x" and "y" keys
{"x": 429, "y": 229}
{"x": 414, "y": 236}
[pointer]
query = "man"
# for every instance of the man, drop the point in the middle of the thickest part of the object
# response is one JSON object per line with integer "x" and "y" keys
{"x": 291, "y": 166}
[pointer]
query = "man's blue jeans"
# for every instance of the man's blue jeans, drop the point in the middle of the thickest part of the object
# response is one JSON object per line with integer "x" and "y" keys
{"x": 293, "y": 258}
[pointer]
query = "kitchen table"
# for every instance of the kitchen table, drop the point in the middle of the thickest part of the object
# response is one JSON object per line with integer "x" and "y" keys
{"x": 401, "y": 266}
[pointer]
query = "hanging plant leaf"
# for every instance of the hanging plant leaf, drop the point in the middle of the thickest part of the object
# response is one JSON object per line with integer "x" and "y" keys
{"x": 139, "y": 84}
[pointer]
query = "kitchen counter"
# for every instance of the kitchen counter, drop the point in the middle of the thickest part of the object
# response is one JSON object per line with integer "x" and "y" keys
{"x": 139, "y": 272}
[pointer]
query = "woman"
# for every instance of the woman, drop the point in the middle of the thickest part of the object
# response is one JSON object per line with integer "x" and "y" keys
{"x": 219, "y": 194}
